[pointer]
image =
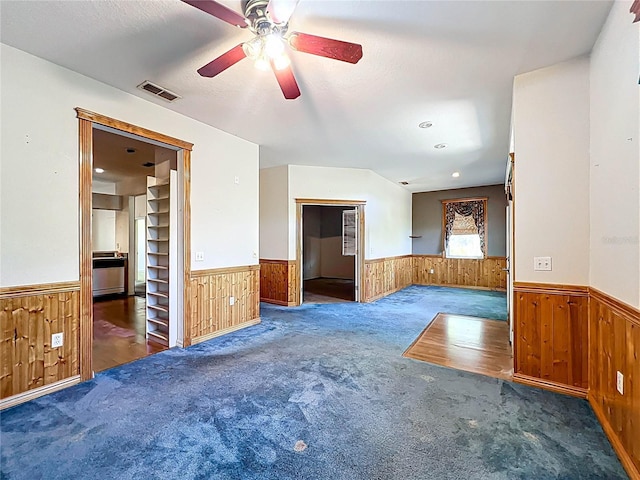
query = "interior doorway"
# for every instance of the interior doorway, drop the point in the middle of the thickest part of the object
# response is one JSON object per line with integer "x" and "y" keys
{"x": 329, "y": 250}
{"x": 125, "y": 319}
{"x": 168, "y": 213}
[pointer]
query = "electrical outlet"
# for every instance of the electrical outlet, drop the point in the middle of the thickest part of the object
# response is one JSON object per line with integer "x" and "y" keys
{"x": 232, "y": 300}
{"x": 236, "y": 180}
{"x": 432, "y": 271}
{"x": 542, "y": 264}
{"x": 620, "y": 382}
{"x": 199, "y": 256}
{"x": 57, "y": 340}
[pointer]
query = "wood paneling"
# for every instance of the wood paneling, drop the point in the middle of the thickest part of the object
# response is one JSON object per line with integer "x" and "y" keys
{"x": 384, "y": 276}
{"x": 614, "y": 346}
{"x": 550, "y": 336}
{"x": 27, "y": 322}
{"x": 210, "y": 292}
{"x": 486, "y": 273}
{"x": 279, "y": 282}
{"x": 472, "y": 344}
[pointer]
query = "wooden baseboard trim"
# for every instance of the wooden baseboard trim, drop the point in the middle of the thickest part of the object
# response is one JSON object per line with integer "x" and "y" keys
{"x": 549, "y": 385}
{"x": 224, "y": 331}
{"x": 14, "y": 400}
{"x": 625, "y": 459}
{"x": 39, "y": 289}
{"x": 385, "y": 294}
{"x": 487, "y": 289}
{"x": 282, "y": 303}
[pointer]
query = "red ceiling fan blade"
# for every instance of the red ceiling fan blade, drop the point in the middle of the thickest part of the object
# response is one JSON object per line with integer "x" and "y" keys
{"x": 635, "y": 9}
{"x": 287, "y": 82}
{"x": 219, "y": 11}
{"x": 223, "y": 62}
{"x": 280, "y": 10}
{"x": 326, "y": 47}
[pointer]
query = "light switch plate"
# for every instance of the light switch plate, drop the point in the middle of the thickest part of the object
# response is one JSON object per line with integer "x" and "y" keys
{"x": 199, "y": 256}
{"x": 542, "y": 264}
{"x": 620, "y": 382}
{"x": 57, "y": 340}
{"x": 232, "y": 300}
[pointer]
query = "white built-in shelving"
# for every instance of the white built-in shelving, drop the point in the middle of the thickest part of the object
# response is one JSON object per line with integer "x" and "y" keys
{"x": 161, "y": 255}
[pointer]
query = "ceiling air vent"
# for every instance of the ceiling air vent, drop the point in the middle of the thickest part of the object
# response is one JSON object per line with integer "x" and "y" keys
{"x": 158, "y": 91}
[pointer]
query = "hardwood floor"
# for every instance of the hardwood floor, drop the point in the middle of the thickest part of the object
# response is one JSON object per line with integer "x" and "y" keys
{"x": 328, "y": 290}
{"x": 477, "y": 345}
{"x": 119, "y": 332}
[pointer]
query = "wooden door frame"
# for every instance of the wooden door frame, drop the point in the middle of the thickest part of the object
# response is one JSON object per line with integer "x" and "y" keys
{"x": 86, "y": 121}
{"x": 359, "y": 204}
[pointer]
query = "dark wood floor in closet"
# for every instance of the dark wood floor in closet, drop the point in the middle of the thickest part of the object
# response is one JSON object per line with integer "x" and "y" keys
{"x": 328, "y": 290}
{"x": 119, "y": 332}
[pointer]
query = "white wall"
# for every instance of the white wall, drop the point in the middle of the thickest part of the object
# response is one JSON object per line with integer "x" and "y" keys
{"x": 551, "y": 131}
{"x": 39, "y": 154}
{"x": 103, "y": 222}
{"x": 615, "y": 158}
{"x": 387, "y": 211}
{"x": 274, "y": 215}
{"x": 332, "y": 263}
{"x": 103, "y": 231}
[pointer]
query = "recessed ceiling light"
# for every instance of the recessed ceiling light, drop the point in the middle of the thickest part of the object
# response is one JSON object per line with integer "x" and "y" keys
{"x": 440, "y": 145}
{"x": 131, "y": 150}
{"x": 455, "y": 174}
{"x": 99, "y": 170}
{"x": 426, "y": 124}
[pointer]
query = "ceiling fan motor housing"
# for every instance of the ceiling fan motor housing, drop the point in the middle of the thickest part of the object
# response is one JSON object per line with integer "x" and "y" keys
{"x": 260, "y": 23}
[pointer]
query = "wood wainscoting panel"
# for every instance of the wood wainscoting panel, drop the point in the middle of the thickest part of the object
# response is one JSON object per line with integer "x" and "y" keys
{"x": 27, "y": 321}
{"x": 551, "y": 336}
{"x": 614, "y": 346}
{"x": 211, "y": 291}
{"x": 488, "y": 273}
{"x": 384, "y": 276}
{"x": 278, "y": 282}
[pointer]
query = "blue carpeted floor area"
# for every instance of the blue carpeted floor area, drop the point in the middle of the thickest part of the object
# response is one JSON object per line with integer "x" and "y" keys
{"x": 315, "y": 392}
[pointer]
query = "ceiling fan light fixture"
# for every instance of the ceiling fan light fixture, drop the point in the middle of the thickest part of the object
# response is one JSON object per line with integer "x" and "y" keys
{"x": 273, "y": 45}
{"x": 281, "y": 62}
{"x": 261, "y": 63}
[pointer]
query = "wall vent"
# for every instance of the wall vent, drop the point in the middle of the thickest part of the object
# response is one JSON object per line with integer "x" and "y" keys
{"x": 158, "y": 91}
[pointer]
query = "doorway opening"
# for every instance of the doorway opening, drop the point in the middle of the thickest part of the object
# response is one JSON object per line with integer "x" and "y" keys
{"x": 329, "y": 250}
{"x": 172, "y": 256}
{"x": 131, "y": 249}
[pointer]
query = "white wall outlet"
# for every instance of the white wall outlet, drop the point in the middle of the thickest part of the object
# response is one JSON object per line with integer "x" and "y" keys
{"x": 199, "y": 256}
{"x": 255, "y": 254}
{"x": 542, "y": 264}
{"x": 620, "y": 382}
{"x": 232, "y": 300}
{"x": 57, "y": 340}
{"x": 236, "y": 180}
{"x": 432, "y": 271}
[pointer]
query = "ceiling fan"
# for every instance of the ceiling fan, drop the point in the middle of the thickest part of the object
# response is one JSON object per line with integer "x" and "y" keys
{"x": 268, "y": 21}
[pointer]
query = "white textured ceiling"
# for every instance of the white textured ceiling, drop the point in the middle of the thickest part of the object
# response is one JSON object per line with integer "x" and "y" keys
{"x": 450, "y": 62}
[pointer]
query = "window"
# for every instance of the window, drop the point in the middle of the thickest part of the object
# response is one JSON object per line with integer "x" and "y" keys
{"x": 349, "y": 232}
{"x": 464, "y": 228}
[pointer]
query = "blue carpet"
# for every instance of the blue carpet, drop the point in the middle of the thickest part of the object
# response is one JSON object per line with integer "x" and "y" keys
{"x": 330, "y": 378}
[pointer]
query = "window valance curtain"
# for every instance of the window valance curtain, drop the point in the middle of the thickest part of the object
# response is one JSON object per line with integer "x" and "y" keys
{"x": 465, "y": 218}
